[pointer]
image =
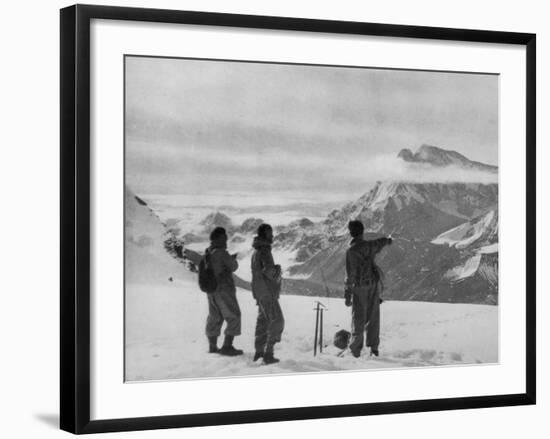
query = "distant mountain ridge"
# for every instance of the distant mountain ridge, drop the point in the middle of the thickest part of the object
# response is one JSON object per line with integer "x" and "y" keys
{"x": 446, "y": 237}
{"x": 445, "y": 234}
{"x": 417, "y": 210}
{"x": 440, "y": 157}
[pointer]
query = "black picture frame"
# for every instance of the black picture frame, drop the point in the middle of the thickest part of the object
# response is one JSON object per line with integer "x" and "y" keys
{"x": 75, "y": 217}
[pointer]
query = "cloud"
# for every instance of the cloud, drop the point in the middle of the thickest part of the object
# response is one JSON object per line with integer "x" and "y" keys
{"x": 392, "y": 168}
{"x": 165, "y": 168}
{"x": 201, "y": 126}
{"x": 230, "y": 105}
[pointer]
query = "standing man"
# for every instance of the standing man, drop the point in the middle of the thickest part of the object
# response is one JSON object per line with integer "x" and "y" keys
{"x": 266, "y": 286}
{"x": 362, "y": 289}
{"x": 222, "y": 303}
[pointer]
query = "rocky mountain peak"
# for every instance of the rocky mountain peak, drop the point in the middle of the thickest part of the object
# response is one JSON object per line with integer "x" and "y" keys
{"x": 303, "y": 222}
{"x": 250, "y": 225}
{"x": 436, "y": 156}
{"x": 406, "y": 154}
{"x": 217, "y": 219}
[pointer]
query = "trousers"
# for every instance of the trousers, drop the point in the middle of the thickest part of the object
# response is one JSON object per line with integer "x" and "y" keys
{"x": 269, "y": 324}
{"x": 365, "y": 316}
{"x": 223, "y": 306}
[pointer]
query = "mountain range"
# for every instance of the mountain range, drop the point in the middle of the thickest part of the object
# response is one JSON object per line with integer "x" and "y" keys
{"x": 445, "y": 245}
{"x": 445, "y": 237}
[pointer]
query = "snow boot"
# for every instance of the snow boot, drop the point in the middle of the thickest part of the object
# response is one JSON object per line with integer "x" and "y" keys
{"x": 258, "y": 355}
{"x": 213, "y": 345}
{"x": 228, "y": 349}
{"x": 270, "y": 359}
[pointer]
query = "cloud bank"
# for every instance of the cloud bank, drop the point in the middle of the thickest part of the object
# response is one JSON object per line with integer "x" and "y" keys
{"x": 197, "y": 126}
{"x": 391, "y": 168}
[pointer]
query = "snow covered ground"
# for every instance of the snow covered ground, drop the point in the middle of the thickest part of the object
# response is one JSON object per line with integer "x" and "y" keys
{"x": 165, "y": 335}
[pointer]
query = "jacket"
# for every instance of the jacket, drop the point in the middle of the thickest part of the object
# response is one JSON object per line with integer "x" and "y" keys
{"x": 266, "y": 276}
{"x": 361, "y": 268}
{"x": 223, "y": 265}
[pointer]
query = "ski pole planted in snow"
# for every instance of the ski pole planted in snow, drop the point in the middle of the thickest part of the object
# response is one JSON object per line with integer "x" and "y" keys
{"x": 321, "y": 331}
{"x": 316, "y": 330}
{"x": 318, "y": 337}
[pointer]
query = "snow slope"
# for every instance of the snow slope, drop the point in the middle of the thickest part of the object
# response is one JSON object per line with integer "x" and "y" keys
{"x": 166, "y": 336}
{"x": 483, "y": 229}
{"x": 477, "y": 240}
{"x": 146, "y": 261}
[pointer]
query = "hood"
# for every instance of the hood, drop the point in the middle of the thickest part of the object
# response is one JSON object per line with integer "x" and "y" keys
{"x": 218, "y": 243}
{"x": 260, "y": 242}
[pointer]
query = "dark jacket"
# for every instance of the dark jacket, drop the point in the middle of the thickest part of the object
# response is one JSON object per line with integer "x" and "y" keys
{"x": 223, "y": 265}
{"x": 361, "y": 268}
{"x": 266, "y": 276}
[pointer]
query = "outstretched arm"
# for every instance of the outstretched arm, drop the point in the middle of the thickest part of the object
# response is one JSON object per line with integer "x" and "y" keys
{"x": 380, "y": 243}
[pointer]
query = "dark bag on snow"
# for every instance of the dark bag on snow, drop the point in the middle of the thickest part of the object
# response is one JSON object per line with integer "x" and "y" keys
{"x": 207, "y": 278}
{"x": 342, "y": 338}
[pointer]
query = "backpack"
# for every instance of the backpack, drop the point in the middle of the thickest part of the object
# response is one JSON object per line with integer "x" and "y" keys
{"x": 207, "y": 278}
{"x": 342, "y": 338}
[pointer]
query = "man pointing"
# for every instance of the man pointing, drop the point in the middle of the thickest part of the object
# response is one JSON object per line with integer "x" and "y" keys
{"x": 362, "y": 288}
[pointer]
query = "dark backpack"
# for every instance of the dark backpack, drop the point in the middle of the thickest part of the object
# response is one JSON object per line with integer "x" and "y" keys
{"x": 342, "y": 338}
{"x": 207, "y": 278}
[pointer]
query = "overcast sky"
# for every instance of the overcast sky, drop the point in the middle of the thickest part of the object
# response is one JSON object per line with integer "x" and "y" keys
{"x": 201, "y": 126}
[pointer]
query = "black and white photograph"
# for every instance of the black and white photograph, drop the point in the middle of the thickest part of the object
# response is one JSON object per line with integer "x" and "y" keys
{"x": 293, "y": 218}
